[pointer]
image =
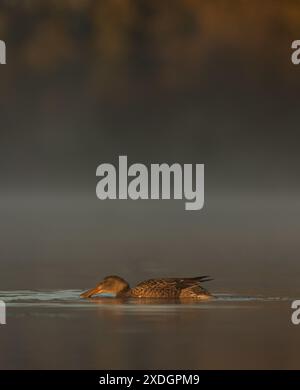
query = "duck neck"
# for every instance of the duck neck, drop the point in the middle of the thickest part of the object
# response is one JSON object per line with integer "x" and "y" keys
{"x": 125, "y": 292}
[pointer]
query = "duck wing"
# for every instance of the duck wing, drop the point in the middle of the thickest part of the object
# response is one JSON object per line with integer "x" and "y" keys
{"x": 167, "y": 287}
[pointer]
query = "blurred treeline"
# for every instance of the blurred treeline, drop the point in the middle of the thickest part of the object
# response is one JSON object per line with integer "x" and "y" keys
{"x": 125, "y": 46}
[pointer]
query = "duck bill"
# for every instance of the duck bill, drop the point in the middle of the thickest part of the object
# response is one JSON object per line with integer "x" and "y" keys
{"x": 90, "y": 293}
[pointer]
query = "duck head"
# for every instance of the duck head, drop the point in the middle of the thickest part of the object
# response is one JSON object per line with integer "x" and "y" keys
{"x": 109, "y": 285}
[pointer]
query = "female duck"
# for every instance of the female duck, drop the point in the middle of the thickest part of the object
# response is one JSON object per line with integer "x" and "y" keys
{"x": 152, "y": 288}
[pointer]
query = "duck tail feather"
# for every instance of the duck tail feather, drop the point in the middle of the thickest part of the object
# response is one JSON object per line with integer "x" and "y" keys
{"x": 205, "y": 278}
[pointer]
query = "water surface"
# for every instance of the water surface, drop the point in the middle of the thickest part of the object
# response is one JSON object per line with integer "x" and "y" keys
{"x": 57, "y": 329}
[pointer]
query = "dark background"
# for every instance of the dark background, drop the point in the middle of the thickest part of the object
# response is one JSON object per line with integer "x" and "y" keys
{"x": 159, "y": 81}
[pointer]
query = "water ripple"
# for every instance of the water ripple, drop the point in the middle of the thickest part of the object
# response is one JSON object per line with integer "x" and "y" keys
{"x": 70, "y": 298}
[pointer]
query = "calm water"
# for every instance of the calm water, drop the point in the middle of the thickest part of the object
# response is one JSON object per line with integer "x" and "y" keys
{"x": 55, "y": 329}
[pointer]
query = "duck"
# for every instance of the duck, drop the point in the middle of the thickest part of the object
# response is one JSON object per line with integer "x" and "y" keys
{"x": 152, "y": 288}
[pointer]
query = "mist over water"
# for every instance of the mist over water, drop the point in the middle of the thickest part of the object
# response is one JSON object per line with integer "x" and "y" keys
{"x": 247, "y": 243}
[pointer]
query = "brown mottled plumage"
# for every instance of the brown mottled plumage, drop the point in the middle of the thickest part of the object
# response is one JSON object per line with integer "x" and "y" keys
{"x": 152, "y": 288}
